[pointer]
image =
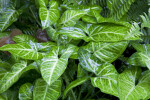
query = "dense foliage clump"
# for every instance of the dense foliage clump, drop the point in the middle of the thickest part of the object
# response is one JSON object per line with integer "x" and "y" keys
{"x": 74, "y": 50}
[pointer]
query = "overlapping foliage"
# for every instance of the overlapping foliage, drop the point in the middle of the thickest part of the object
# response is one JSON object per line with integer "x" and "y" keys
{"x": 93, "y": 50}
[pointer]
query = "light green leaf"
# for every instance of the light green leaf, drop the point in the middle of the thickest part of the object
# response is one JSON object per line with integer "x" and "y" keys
{"x": 24, "y": 38}
{"x": 11, "y": 77}
{"x": 130, "y": 88}
{"x": 70, "y": 17}
{"x": 8, "y": 16}
{"x": 106, "y": 52}
{"x": 23, "y": 50}
{"x": 145, "y": 57}
{"x": 74, "y": 84}
{"x": 106, "y": 79}
{"x": 73, "y": 32}
{"x": 108, "y": 32}
{"x": 48, "y": 16}
{"x": 89, "y": 19}
{"x": 136, "y": 60}
{"x": 43, "y": 91}
{"x": 25, "y": 91}
{"x": 52, "y": 67}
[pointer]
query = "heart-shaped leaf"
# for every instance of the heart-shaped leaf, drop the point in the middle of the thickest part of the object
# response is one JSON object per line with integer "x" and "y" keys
{"x": 52, "y": 67}
{"x": 43, "y": 91}
{"x": 49, "y": 15}
{"x": 106, "y": 79}
{"x": 130, "y": 88}
{"x": 70, "y": 17}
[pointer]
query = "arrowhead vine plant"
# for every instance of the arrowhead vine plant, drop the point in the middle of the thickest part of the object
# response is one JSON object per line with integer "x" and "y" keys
{"x": 74, "y": 50}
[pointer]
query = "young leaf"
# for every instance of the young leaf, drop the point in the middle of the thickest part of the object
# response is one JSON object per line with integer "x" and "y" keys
{"x": 70, "y": 17}
{"x": 106, "y": 52}
{"x": 48, "y": 16}
{"x": 74, "y": 84}
{"x": 23, "y": 50}
{"x": 130, "y": 88}
{"x": 43, "y": 91}
{"x": 24, "y": 38}
{"x": 106, "y": 79}
{"x": 25, "y": 91}
{"x": 52, "y": 67}
{"x": 11, "y": 77}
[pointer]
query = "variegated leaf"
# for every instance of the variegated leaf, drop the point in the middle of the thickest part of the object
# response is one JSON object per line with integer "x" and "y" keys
{"x": 43, "y": 91}
{"x": 11, "y": 77}
{"x": 52, "y": 67}
{"x": 70, "y": 17}
{"x": 23, "y": 50}
{"x": 48, "y": 16}
{"x": 130, "y": 88}
{"x": 106, "y": 79}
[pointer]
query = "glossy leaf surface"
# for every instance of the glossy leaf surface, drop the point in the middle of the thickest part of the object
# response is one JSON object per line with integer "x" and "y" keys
{"x": 11, "y": 77}
{"x": 70, "y": 17}
{"x": 43, "y": 91}
{"x": 132, "y": 88}
{"x": 23, "y": 50}
{"x": 49, "y": 15}
{"x": 52, "y": 67}
{"x": 106, "y": 79}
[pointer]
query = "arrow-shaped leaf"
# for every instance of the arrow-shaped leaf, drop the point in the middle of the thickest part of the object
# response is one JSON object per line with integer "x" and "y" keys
{"x": 52, "y": 67}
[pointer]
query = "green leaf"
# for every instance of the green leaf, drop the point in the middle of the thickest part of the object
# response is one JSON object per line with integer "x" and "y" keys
{"x": 106, "y": 79}
{"x": 108, "y": 32}
{"x": 70, "y": 17}
{"x": 88, "y": 61}
{"x": 8, "y": 95}
{"x": 52, "y": 67}
{"x": 130, "y": 88}
{"x": 23, "y": 50}
{"x": 8, "y": 16}
{"x": 48, "y": 16}
{"x": 25, "y": 91}
{"x": 146, "y": 20}
{"x": 52, "y": 33}
{"x": 74, "y": 84}
{"x": 43, "y": 91}
{"x": 106, "y": 52}
{"x": 73, "y": 32}
{"x": 136, "y": 60}
{"x": 11, "y": 77}
{"x": 3, "y": 71}
{"x": 24, "y": 38}
{"x": 45, "y": 46}
{"x": 89, "y": 19}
